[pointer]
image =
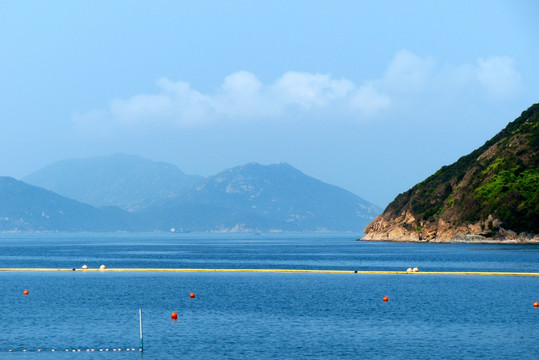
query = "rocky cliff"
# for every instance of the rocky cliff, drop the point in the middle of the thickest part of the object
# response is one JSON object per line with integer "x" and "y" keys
{"x": 489, "y": 195}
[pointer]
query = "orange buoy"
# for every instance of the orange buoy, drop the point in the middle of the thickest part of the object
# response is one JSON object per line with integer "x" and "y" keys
{"x": 174, "y": 316}
{"x": 192, "y": 295}
{"x": 536, "y": 304}
{"x": 385, "y": 298}
{"x": 25, "y": 292}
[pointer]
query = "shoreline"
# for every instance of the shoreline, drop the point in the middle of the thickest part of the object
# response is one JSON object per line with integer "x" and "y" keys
{"x": 533, "y": 241}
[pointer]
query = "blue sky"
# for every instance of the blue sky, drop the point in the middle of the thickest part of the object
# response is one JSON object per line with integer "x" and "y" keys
{"x": 372, "y": 96}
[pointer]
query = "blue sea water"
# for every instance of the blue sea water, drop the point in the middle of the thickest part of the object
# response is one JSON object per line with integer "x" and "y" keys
{"x": 240, "y": 315}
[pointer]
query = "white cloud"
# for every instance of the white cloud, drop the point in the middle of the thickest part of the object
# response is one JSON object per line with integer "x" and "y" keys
{"x": 243, "y": 96}
{"x": 407, "y": 73}
{"x": 177, "y": 103}
{"x": 499, "y": 76}
{"x": 409, "y": 80}
{"x": 242, "y": 83}
{"x": 310, "y": 90}
{"x": 369, "y": 100}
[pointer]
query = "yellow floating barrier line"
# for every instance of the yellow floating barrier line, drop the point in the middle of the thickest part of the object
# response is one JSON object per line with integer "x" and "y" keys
{"x": 382, "y": 272}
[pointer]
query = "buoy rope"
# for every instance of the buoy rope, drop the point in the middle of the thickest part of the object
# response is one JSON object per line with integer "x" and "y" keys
{"x": 386, "y": 272}
{"x": 64, "y": 350}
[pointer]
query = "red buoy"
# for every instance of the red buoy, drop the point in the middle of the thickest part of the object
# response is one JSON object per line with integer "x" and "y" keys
{"x": 192, "y": 295}
{"x": 174, "y": 316}
{"x": 385, "y": 298}
{"x": 536, "y": 304}
{"x": 25, "y": 292}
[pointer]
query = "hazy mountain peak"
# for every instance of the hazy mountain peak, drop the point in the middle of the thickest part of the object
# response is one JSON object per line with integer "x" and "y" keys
{"x": 118, "y": 179}
{"x": 283, "y": 194}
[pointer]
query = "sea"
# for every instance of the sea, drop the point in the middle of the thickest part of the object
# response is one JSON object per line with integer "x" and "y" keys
{"x": 263, "y": 315}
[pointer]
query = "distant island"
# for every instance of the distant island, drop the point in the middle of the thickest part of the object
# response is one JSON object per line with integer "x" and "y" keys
{"x": 489, "y": 195}
{"x": 126, "y": 193}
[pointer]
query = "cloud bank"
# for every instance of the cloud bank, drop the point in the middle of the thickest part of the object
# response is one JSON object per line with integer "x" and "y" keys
{"x": 498, "y": 76}
{"x": 243, "y": 97}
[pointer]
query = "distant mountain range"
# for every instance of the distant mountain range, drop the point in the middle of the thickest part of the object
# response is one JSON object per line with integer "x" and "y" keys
{"x": 25, "y": 207}
{"x": 129, "y": 193}
{"x": 120, "y": 180}
{"x": 273, "y": 197}
{"x": 490, "y": 194}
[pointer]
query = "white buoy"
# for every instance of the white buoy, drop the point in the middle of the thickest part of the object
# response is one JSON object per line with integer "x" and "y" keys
{"x": 415, "y": 269}
{"x": 85, "y": 266}
{"x": 409, "y": 270}
{"x": 102, "y": 267}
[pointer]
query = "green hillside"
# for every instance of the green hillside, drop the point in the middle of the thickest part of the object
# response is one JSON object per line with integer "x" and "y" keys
{"x": 495, "y": 187}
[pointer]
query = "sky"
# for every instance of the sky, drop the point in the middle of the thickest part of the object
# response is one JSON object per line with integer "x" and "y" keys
{"x": 371, "y": 96}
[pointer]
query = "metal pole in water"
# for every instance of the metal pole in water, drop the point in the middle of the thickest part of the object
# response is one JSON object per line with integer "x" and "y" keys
{"x": 141, "y": 342}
